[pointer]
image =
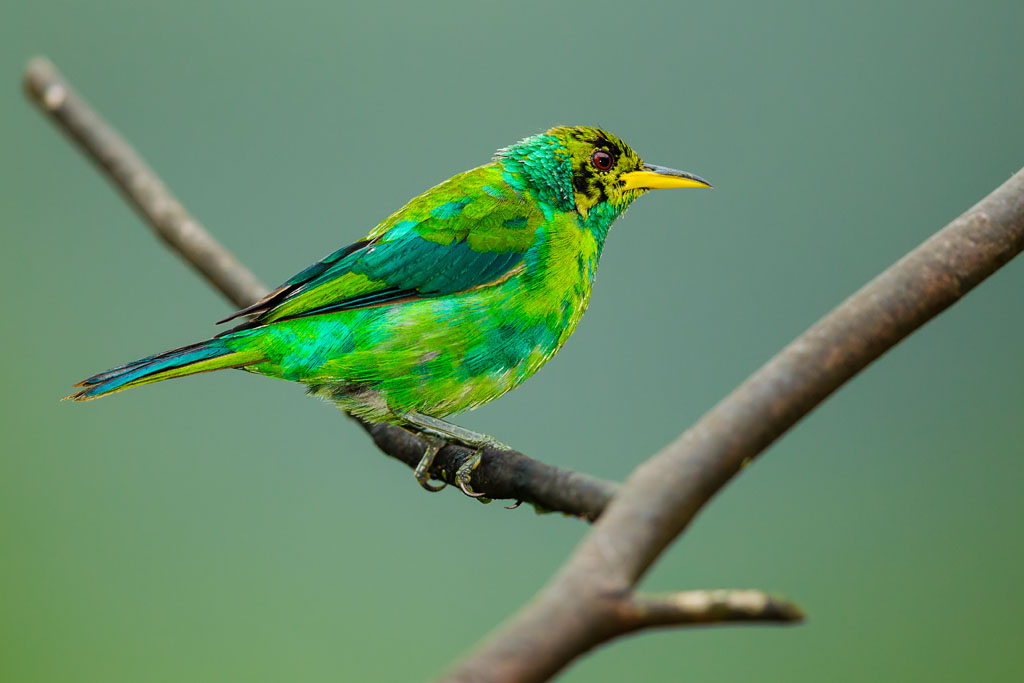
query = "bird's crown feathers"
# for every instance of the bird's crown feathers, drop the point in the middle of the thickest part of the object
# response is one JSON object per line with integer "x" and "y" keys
{"x": 574, "y": 168}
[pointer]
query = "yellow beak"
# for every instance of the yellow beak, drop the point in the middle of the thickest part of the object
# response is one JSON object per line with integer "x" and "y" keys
{"x": 660, "y": 178}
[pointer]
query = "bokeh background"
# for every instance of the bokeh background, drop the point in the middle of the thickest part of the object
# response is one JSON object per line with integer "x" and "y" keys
{"x": 229, "y": 528}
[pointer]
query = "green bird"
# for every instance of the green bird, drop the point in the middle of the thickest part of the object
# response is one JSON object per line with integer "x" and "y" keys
{"x": 452, "y": 301}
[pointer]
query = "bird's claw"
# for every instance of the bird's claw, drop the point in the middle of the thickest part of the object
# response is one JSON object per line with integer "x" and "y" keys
{"x": 465, "y": 473}
{"x": 433, "y": 488}
{"x": 422, "y": 472}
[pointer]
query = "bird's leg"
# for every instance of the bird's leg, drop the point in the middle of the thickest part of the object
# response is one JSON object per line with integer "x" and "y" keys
{"x": 422, "y": 472}
{"x": 453, "y": 433}
{"x": 450, "y": 432}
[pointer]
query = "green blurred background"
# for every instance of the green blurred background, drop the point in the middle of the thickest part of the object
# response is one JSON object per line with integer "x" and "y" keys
{"x": 228, "y": 528}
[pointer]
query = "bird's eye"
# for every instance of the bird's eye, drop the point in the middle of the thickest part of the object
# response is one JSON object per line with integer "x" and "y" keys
{"x": 601, "y": 160}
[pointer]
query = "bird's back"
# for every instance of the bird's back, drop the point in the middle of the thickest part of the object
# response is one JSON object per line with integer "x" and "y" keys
{"x": 452, "y": 301}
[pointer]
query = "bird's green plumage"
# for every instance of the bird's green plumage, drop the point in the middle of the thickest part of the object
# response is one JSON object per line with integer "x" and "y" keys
{"x": 452, "y": 301}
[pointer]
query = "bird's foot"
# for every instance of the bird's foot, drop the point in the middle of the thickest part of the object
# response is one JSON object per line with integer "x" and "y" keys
{"x": 437, "y": 433}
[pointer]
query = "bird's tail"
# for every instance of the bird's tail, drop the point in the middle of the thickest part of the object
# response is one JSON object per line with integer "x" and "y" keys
{"x": 213, "y": 354}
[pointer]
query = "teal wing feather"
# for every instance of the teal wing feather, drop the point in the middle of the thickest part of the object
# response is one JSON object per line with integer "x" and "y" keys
{"x": 466, "y": 233}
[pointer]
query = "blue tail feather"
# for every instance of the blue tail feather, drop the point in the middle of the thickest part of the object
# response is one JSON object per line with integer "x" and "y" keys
{"x": 117, "y": 378}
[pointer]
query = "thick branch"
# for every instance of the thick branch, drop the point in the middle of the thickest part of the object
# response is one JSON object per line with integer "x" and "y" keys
{"x": 664, "y": 494}
{"x": 503, "y": 474}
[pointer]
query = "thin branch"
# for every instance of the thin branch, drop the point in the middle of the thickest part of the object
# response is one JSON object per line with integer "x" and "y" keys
{"x": 706, "y": 607}
{"x": 502, "y": 475}
{"x": 626, "y": 613}
{"x": 506, "y": 474}
{"x": 662, "y": 496}
{"x": 139, "y": 185}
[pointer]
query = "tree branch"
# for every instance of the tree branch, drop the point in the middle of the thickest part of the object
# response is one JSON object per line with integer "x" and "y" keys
{"x": 139, "y": 185}
{"x": 505, "y": 474}
{"x": 662, "y": 496}
{"x": 706, "y": 607}
{"x": 501, "y": 475}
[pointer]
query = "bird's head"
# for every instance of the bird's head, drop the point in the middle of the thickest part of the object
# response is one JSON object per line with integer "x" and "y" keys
{"x": 588, "y": 169}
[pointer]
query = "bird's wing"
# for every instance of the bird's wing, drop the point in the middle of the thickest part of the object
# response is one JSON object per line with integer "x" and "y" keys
{"x": 468, "y": 232}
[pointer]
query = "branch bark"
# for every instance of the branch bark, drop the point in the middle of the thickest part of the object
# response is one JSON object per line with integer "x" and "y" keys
{"x": 501, "y": 475}
{"x": 591, "y": 600}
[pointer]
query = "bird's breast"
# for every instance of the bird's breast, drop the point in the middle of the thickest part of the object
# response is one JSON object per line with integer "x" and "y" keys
{"x": 558, "y": 279}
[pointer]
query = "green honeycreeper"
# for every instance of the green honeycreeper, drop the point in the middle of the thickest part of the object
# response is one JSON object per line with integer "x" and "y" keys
{"x": 455, "y": 299}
